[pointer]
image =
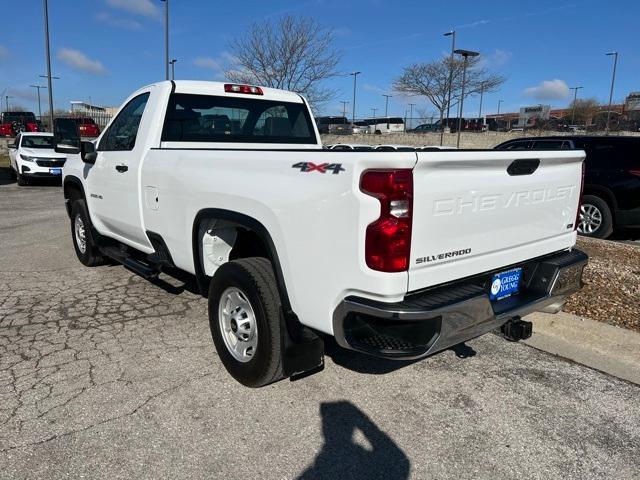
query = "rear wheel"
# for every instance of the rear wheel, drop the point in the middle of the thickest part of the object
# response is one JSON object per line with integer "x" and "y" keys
{"x": 84, "y": 241}
{"x": 595, "y": 219}
{"x": 244, "y": 316}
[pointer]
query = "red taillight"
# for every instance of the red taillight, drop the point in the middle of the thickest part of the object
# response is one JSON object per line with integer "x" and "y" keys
{"x": 388, "y": 239}
{"x": 575, "y": 224}
{"x": 634, "y": 172}
{"x": 249, "y": 89}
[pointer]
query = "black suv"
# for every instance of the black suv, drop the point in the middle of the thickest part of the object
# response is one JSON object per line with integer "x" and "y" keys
{"x": 611, "y": 195}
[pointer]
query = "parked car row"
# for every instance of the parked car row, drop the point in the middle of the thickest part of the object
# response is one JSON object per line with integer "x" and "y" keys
{"x": 377, "y": 125}
{"x": 14, "y": 123}
{"x": 345, "y": 147}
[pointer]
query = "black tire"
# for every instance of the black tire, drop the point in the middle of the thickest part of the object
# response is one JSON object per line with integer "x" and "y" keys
{"x": 255, "y": 279}
{"x": 21, "y": 180}
{"x": 596, "y": 204}
{"x": 91, "y": 256}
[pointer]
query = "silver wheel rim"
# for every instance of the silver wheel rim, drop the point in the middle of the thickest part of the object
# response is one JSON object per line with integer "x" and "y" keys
{"x": 590, "y": 219}
{"x": 237, "y": 322}
{"x": 80, "y": 234}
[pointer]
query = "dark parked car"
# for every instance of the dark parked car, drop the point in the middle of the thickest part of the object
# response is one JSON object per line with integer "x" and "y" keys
{"x": 425, "y": 128}
{"x": 611, "y": 196}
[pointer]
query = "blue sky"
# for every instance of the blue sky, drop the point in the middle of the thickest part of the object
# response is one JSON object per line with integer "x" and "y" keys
{"x": 105, "y": 49}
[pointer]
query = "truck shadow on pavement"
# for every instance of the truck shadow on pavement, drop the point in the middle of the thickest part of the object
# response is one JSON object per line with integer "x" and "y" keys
{"x": 355, "y": 447}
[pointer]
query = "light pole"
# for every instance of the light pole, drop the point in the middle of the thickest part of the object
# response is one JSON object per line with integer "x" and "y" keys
{"x": 173, "y": 68}
{"x": 48, "y": 55}
{"x": 6, "y": 101}
{"x": 498, "y": 115}
{"x": 411, "y": 105}
{"x": 344, "y": 108}
{"x": 374, "y": 110}
{"x": 39, "y": 107}
{"x": 465, "y": 54}
{"x": 386, "y": 104}
{"x": 452, "y": 34}
{"x": 481, "y": 94}
{"x": 575, "y": 98}
{"x": 353, "y": 113}
{"x": 613, "y": 80}
{"x": 166, "y": 38}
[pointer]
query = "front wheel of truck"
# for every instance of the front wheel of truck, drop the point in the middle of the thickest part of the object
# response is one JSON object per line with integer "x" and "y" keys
{"x": 83, "y": 237}
{"x": 244, "y": 316}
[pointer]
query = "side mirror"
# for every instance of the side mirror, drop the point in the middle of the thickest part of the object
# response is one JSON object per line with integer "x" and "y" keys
{"x": 88, "y": 152}
{"x": 66, "y": 136}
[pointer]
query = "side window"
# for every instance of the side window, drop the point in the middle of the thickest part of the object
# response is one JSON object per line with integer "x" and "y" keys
{"x": 121, "y": 135}
{"x": 605, "y": 154}
{"x": 523, "y": 145}
{"x": 550, "y": 145}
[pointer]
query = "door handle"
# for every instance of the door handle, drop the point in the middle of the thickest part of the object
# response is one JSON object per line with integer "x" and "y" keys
{"x": 122, "y": 168}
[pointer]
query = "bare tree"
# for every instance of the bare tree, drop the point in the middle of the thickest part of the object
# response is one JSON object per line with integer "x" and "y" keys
{"x": 582, "y": 110}
{"x": 431, "y": 80}
{"x": 293, "y": 53}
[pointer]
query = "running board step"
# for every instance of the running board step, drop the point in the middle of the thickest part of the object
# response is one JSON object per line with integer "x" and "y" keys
{"x": 142, "y": 269}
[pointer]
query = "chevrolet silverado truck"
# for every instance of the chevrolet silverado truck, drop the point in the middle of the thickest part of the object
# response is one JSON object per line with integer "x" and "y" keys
{"x": 396, "y": 254}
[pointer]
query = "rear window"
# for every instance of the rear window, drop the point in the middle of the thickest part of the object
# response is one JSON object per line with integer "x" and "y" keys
{"x": 207, "y": 118}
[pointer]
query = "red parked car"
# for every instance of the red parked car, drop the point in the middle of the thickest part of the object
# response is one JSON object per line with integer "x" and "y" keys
{"x": 87, "y": 127}
{"x": 12, "y": 123}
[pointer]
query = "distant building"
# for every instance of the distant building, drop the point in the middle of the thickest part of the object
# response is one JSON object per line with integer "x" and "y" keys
{"x": 100, "y": 115}
{"x": 532, "y": 114}
{"x": 83, "y": 108}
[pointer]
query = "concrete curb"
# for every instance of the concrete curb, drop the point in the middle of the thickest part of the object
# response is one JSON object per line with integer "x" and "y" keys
{"x": 610, "y": 349}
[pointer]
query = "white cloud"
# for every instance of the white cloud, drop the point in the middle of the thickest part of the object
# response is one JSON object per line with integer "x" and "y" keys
{"x": 22, "y": 93}
{"x": 146, "y": 8}
{"x": 225, "y": 62}
{"x": 496, "y": 59}
{"x": 372, "y": 88}
{"x": 4, "y": 52}
{"x": 208, "y": 63}
{"x": 78, "y": 60}
{"x": 119, "y": 22}
{"x": 549, "y": 90}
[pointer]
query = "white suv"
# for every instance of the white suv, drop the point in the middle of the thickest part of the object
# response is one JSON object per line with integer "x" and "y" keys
{"x": 32, "y": 155}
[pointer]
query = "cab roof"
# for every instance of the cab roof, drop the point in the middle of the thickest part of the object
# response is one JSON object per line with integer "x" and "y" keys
{"x": 199, "y": 87}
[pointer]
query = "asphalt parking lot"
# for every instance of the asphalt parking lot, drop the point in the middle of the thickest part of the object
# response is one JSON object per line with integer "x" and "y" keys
{"x": 106, "y": 375}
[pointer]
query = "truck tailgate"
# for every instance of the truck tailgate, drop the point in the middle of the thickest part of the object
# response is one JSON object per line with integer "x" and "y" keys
{"x": 478, "y": 211}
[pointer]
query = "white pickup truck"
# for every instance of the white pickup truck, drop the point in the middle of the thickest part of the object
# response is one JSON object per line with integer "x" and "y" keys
{"x": 395, "y": 254}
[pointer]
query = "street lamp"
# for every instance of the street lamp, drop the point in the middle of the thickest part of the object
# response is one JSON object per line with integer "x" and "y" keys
{"x": 39, "y": 107}
{"x": 355, "y": 76}
{"x": 344, "y": 108}
{"x": 48, "y": 55}
{"x": 465, "y": 54}
{"x": 166, "y": 37}
{"x": 386, "y": 104}
{"x": 613, "y": 80}
{"x": 173, "y": 69}
{"x": 411, "y": 105}
{"x": 452, "y": 34}
{"x": 575, "y": 98}
{"x": 481, "y": 94}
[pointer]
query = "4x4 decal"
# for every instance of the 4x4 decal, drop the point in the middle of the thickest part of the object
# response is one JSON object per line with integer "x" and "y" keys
{"x": 307, "y": 167}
